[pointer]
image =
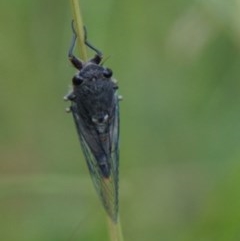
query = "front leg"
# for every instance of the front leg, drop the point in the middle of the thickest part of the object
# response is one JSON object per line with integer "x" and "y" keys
{"x": 77, "y": 63}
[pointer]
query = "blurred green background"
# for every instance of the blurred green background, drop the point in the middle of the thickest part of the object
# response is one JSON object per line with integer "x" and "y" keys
{"x": 178, "y": 66}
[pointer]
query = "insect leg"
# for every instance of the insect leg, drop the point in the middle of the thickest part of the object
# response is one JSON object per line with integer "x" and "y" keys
{"x": 77, "y": 63}
{"x": 98, "y": 57}
{"x": 69, "y": 96}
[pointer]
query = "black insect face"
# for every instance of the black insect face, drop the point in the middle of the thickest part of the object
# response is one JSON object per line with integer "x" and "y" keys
{"x": 94, "y": 94}
{"x": 91, "y": 72}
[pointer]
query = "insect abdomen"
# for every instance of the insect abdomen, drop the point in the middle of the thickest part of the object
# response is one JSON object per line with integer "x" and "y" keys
{"x": 104, "y": 165}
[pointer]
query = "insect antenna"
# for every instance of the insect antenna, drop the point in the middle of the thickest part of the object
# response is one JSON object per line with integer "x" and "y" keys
{"x": 105, "y": 60}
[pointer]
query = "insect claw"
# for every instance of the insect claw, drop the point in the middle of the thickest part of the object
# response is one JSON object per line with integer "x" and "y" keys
{"x": 68, "y": 109}
{"x": 120, "y": 97}
{"x": 114, "y": 80}
{"x": 65, "y": 98}
{"x": 69, "y": 96}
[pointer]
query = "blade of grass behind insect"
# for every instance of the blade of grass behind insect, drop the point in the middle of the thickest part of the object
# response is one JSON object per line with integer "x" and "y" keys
{"x": 78, "y": 24}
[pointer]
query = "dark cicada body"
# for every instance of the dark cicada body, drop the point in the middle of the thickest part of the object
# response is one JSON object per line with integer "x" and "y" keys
{"x": 95, "y": 109}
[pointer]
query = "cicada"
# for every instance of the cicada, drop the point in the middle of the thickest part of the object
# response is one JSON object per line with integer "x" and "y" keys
{"x": 95, "y": 109}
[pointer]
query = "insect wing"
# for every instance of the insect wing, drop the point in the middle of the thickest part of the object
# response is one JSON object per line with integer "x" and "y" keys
{"x": 107, "y": 188}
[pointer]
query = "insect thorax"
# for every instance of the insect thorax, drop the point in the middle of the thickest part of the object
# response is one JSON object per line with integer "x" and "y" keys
{"x": 95, "y": 96}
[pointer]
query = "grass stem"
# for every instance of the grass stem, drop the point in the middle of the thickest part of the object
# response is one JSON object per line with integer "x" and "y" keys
{"x": 78, "y": 25}
{"x": 115, "y": 230}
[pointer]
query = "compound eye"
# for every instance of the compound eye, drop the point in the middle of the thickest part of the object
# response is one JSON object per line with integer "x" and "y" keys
{"x": 77, "y": 80}
{"x": 107, "y": 73}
